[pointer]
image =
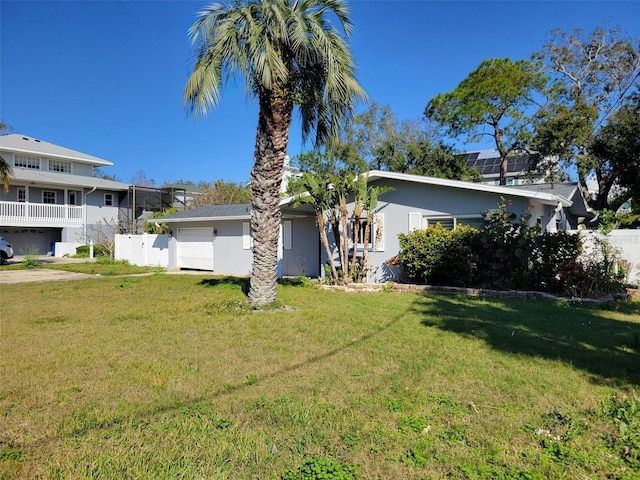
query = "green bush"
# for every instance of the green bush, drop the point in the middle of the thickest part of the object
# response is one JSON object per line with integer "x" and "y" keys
{"x": 439, "y": 256}
{"x": 322, "y": 468}
{"x": 552, "y": 253}
{"x": 99, "y": 250}
{"x": 507, "y": 248}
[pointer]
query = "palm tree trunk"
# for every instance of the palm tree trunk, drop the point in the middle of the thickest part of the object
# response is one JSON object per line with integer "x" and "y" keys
{"x": 325, "y": 243}
{"x": 266, "y": 176}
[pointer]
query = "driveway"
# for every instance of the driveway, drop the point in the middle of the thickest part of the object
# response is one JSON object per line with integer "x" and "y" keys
{"x": 41, "y": 274}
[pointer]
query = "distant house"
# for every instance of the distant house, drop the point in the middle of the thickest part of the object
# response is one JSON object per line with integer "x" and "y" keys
{"x": 217, "y": 238}
{"x": 487, "y": 162}
{"x": 53, "y": 196}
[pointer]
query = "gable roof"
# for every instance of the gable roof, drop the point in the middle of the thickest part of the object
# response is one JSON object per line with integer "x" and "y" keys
{"x": 232, "y": 211}
{"x": 544, "y": 197}
{"x": 22, "y": 144}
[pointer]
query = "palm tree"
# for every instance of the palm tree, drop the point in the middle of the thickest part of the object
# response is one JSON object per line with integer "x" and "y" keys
{"x": 290, "y": 55}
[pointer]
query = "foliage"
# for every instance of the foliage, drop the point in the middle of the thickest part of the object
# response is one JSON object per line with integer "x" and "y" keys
{"x": 551, "y": 252}
{"x": 220, "y": 192}
{"x": 625, "y": 414}
{"x": 151, "y": 226}
{"x": 290, "y": 55}
{"x": 100, "y": 173}
{"x": 140, "y": 179}
{"x": 616, "y": 151}
{"x": 329, "y": 196}
{"x": 30, "y": 259}
{"x": 375, "y": 140}
{"x": 592, "y": 75}
{"x": 595, "y": 273}
{"x": 322, "y": 468}
{"x": 499, "y": 95}
{"x": 507, "y": 247}
{"x": 510, "y": 254}
{"x": 439, "y": 256}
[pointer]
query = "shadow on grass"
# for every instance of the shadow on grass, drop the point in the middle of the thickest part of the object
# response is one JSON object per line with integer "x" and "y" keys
{"x": 584, "y": 337}
{"x": 242, "y": 282}
{"x": 225, "y": 390}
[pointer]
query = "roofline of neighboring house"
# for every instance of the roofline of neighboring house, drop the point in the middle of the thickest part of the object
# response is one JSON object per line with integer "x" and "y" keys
{"x": 482, "y": 187}
{"x": 201, "y": 219}
{"x": 71, "y": 155}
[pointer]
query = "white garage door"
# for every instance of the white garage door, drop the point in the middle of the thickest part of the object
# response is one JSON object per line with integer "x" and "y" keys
{"x": 195, "y": 248}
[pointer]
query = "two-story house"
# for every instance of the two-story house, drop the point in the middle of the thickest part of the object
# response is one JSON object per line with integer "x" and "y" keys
{"x": 54, "y": 200}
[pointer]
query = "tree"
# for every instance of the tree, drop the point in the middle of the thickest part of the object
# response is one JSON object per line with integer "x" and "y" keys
{"x": 100, "y": 173}
{"x": 140, "y": 179}
{"x": 592, "y": 75}
{"x": 220, "y": 192}
{"x": 500, "y": 99}
{"x": 374, "y": 139}
{"x": 5, "y": 169}
{"x": 291, "y": 55}
{"x": 616, "y": 150}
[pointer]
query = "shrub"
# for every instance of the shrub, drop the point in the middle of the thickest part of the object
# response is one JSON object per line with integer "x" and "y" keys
{"x": 439, "y": 256}
{"x": 508, "y": 246}
{"x": 552, "y": 253}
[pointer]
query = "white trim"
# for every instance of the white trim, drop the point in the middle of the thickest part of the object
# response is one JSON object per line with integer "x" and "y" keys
{"x": 112, "y": 203}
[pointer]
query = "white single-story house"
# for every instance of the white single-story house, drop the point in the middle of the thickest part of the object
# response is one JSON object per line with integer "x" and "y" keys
{"x": 217, "y": 238}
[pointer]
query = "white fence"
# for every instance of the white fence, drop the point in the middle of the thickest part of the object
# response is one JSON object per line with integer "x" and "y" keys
{"x": 153, "y": 250}
{"x": 145, "y": 249}
{"x": 628, "y": 244}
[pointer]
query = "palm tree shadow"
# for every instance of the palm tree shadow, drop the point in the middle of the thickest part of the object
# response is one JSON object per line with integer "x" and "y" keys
{"x": 242, "y": 282}
{"x": 607, "y": 349}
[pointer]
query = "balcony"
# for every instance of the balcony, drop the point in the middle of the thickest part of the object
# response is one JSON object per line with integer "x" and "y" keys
{"x": 40, "y": 214}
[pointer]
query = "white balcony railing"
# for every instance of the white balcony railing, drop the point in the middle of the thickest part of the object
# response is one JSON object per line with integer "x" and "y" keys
{"x": 20, "y": 213}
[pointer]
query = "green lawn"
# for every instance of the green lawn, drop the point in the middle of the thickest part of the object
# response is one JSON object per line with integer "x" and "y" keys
{"x": 172, "y": 376}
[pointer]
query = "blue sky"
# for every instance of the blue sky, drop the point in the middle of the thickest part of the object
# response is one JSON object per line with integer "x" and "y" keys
{"x": 106, "y": 77}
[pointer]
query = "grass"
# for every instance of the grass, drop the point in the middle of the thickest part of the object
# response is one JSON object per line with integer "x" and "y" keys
{"x": 171, "y": 376}
{"x": 101, "y": 266}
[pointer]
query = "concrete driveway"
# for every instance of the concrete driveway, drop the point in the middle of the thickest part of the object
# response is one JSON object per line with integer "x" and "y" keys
{"x": 41, "y": 274}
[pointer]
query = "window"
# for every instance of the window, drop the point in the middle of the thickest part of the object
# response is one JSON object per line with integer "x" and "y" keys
{"x": 59, "y": 166}
{"x": 22, "y": 194}
{"x": 376, "y": 233}
{"x": 417, "y": 221}
{"x": 32, "y": 163}
{"x": 48, "y": 196}
{"x": 448, "y": 223}
{"x": 108, "y": 199}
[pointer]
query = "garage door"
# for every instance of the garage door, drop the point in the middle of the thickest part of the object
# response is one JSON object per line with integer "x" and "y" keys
{"x": 195, "y": 248}
{"x": 29, "y": 240}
